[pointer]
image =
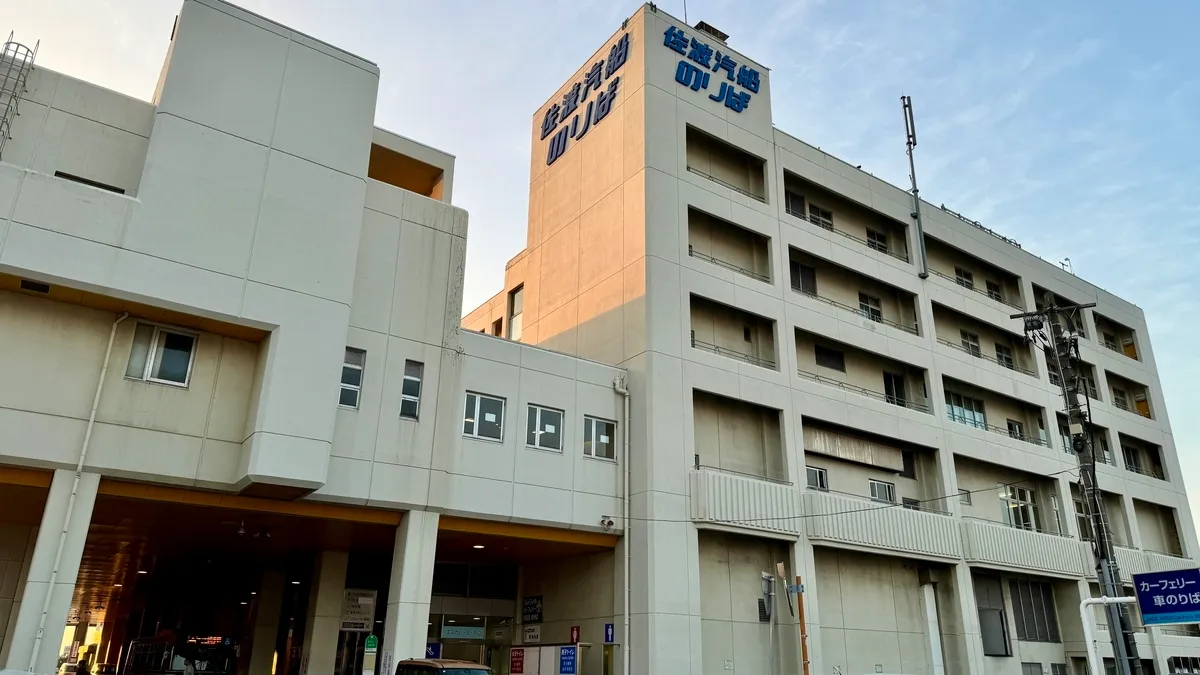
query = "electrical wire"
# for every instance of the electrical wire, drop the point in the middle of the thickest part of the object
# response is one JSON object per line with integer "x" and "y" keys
{"x": 879, "y": 507}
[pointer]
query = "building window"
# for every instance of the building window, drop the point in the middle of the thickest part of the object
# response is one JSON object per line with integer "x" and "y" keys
{"x": 882, "y": 491}
{"x": 1016, "y": 429}
{"x": 818, "y": 478}
{"x": 964, "y": 496}
{"x": 894, "y": 390}
{"x": 870, "y": 307}
{"x": 352, "y": 377}
{"x": 804, "y": 278}
{"x": 1183, "y": 664}
{"x": 877, "y": 241}
{"x": 820, "y": 216}
{"x": 970, "y": 342}
{"x": 1133, "y": 459}
{"x": 830, "y": 358}
{"x": 1031, "y": 669}
{"x": 794, "y": 203}
{"x": 994, "y": 290}
{"x": 1052, "y": 371}
{"x": 516, "y": 309}
{"x": 599, "y": 438}
{"x": 1100, "y": 442}
{"x": 1058, "y": 669}
{"x": 964, "y": 278}
{"x": 498, "y": 327}
{"x": 1020, "y": 507}
{"x": 1120, "y": 398}
{"x": 1082, "y": 521}
{"x": 1004, "y": 356}
{"x": 410, "y": 390}
{"x": 161, "y": 355}
{"x": 1110, "y": 341}
{"x": 483, "y": 417}
{"x": 965, "y": 410}
{"x": 911, "y": 504}
{"x": 544, "y": 429}
{"x": 993, "y": 625}
{"x": 1033, "y": 610}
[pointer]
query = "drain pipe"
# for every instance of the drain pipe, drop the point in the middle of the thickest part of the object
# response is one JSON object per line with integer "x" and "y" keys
{"x": 619, "y": 387}
{"x": 1095, "y": 665}
{"x": 62, "y": 537}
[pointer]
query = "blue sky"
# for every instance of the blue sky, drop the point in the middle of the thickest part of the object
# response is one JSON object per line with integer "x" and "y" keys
{"x": 1070, "y": 126}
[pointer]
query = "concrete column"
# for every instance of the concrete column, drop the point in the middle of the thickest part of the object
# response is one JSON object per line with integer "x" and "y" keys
{"x": 969, "y": 613}
{"x": 411, "y": 587}
{"x": 266, "y": 623}
{"x": 114, "y": 642}
{"x": 41, "y": 569}
{"x": 324, "y": 617}
{"x": 1135, "y": 531}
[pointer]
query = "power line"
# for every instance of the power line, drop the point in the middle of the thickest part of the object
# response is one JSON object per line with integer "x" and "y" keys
{"x": 869, "y": 508}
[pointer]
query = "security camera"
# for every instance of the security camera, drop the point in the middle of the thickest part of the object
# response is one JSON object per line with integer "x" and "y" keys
{"x": 606, "y": 522}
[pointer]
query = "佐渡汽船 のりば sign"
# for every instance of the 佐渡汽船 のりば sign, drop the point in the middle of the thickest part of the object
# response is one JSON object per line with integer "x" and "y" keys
{"x": 1168, "y": 597}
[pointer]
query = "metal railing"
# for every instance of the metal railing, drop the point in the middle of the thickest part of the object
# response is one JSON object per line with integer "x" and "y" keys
{"x": 901, "y": 401}
{"x": 705, "y": 467}
{"x": 1124, "y": 405}
{"x": 868, "y": 501}
{"x": 981, "y": 355}
{"x": 1112, "y": 346}
{"x": 975, "y": 288}
{"x": 899, "y": 255}
{"x": 727, "y": 265}
{"x": 727, "y": 184}
{"x": 1153, "y": 472}
{"x": 857, "y": 310}
{"x": 1005, "y": 431}
{"x": 723, "y": 351}
{"x": 1102, "y": 453}
{"x": 1039, "y": 529}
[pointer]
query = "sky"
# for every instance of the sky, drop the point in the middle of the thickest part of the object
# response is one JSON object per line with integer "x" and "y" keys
{"x": 1070, "y": 126}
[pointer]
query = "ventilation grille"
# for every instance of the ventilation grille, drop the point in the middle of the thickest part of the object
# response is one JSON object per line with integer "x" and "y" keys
{"x": 34, "y": 286}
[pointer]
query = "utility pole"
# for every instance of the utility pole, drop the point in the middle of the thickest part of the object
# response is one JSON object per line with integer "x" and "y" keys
{"x": 1054, "y": 327}
{"x": 910, "y": 142}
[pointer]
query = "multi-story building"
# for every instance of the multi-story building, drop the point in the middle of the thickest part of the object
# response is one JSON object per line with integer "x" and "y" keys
{"x": 232, "y": 370}
{"x": 820, "y": 381}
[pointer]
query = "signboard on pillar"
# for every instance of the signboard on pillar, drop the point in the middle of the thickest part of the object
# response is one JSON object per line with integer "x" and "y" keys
{"x": 370, "y": 650}
{"x": 574, "y": 635}
{"x": 433, "y": 650}
{"x": 531, "y": 609}
{"x": 358, "y": 610}
{"x": 532, "y": 635}
{"x": 1168, "y": 597}
{"x": 609, "y": 634}
{"x": 516, "y": 661}
{"x": 567, "y": 661}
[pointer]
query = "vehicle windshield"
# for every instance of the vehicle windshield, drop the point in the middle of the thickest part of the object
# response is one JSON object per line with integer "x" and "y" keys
{"x": 463, "y": 671}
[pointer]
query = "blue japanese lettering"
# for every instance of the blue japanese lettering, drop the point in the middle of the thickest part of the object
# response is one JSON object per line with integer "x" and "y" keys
{"x": 701, "y": 53}
{"x": 587, "y": 121}
{"x": 691, "y": 76}
{"x": 617, "y": 56}
{"x": 676, "y": 39}
{"x": 733, "y": 100}
{"x": 604, "y": 100}
{"x": 570, "y": 102}
{"x": 725, "y": 63}
{"x": 550, "y": 121}
{"x": 558, "y": 145}
{"x": 592, "y": 79}
{"x": 748, "y": 78}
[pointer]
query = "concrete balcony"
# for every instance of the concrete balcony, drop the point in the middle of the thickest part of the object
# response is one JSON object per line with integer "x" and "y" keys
{"x": 993, "y": 544}
{"x": 741, "y": 502}
{"x": 854, "y": 522}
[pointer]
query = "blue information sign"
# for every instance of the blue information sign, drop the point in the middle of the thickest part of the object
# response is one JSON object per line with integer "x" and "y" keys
{"x": 433, "y": 650}
{"x": 1168, "y": 597}
{"x": 566, "y": 661}
{"x": 609, "y": 634}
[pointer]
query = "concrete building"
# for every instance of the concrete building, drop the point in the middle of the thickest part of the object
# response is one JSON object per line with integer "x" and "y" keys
{"x": 793, "y": 374}
{"x": 232, "y": 368}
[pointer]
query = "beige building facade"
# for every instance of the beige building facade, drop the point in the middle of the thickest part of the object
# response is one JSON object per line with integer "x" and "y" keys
{"x": 804, "y": 396}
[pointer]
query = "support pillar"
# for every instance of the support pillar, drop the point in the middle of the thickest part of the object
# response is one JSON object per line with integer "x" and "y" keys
{"x": 266, "y": 623}
{"x": 411, "y": 588}
{"x": 324, "y": 617}
{"x": 38, "y": 584}
{"x": 972, "y": 659}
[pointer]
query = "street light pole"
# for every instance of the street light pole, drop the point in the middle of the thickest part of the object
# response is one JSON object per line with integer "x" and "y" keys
{"x": 1054, "y": 327}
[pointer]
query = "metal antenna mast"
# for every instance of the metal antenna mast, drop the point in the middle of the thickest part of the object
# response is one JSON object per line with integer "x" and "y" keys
{"x": 910, "y": 131}
{"x": 1054, "y": 327}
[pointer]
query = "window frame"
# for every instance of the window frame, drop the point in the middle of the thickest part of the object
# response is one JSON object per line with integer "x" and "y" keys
{"x": 1016, "y": 429}
{"x": 970, "y": 342}
{"x": 995, "y": 290}
{"x": 1015, "y": 500}
{"x": 964, "y": 278}
{"x": 870, "y": 307}
{"x": 589, "y": 428}
{"x": 537, "y": 432}
{"x": 1005, "y": 356}
{"x": 822, "y": 475}
{"x": 362, "y": 375}
{"x": 474, "y": 433}
{"x": 977, "y": 417}
{"x": 147, "y": 368}
{"x": 1040, "y": 611}
{"x": 820, "y": 216}
{"x": 877, "y": 241}
{"x": 888, "y": 488}
{"x": 841, "y": 356}
{"x": 897, "y": 383}
{"x": 515, "y": 327}
{"x": 964, "y": 496}
{"x": 415, "y": 399}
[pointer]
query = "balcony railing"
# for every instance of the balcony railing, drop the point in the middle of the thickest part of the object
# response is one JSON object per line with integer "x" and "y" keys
{"x": 734, "y": 500}
{"x": 1124, "y": 405}
{"x": 902, "y": 401}
{"x": 899, "y": 255}
{"x": 977, "y": 289}
{"x": 1151, "y": 471}
{"x": 733, "y": 354}
{"x": 1004, "y": 431}
{"x": 861, "y": 522}
{"x": 1117, "y": 348}
{"x": 727, "y": 265}
{"x": 1102, "y": 453}
{"x": 980, "y": 355}
{"x": 989, "y": 542}
{"x": 727, "y": 184}
{"x": 857, "y": 310}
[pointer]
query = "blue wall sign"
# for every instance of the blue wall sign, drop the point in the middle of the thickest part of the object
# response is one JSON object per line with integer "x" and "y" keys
{"x": 433, "y": 650}
{"x": 609, "y": 634}
{"x": 1168, "y": 597}
{"x": 704, "y": 63}
{"x": 572, "y": 102}
{"x": 566, "y": 661}
{"x": 462, "y": 632}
